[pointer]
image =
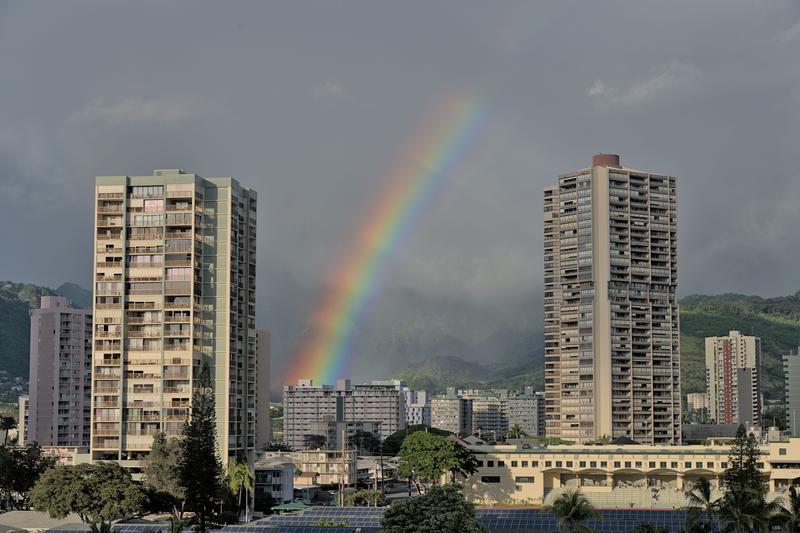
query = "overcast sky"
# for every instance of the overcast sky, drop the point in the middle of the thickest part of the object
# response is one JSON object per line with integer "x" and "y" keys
{"x": 311, "y": 104}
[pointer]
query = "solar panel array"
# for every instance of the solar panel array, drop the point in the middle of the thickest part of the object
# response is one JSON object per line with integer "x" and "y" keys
{"x": 497, "y": 520}
{"x": 363, "y": 517}
{"x": 613, "y": 521}
{"x": 368, "y": 519}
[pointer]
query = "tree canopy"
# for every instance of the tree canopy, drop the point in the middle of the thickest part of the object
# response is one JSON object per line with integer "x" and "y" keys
{"x": 365, "y": 498}
{"x": 20, "y": 468}
{"x": 743, "y": 470}
{"x": 442, "y": 509}
{"x": 393, "y": 443}
{"x": 162, "y": 477}
{"x": 314, "y": 442}
{"x": 427, "y": 456}
{"x": 199, "y": 469}
{"x": 98, "y": 493}
{"x": 364, "y": 441}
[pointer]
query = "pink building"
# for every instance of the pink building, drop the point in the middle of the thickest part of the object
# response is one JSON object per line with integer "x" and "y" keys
{"x": 60, "y": 374}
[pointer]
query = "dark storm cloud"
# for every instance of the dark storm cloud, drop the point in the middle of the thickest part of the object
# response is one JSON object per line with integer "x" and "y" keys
{"x": 311, "y": 103}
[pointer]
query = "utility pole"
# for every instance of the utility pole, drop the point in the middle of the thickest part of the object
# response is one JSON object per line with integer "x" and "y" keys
{"x": 343, "y": 475}
{"x": 380, "y": 450}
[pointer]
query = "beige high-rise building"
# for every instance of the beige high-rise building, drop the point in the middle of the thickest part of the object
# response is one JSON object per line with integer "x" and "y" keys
{"x": 175, "y": 286}
{"x": 733, "y": 379}
{"x": 60, "y": 374}
{"x": 612, "y": 341}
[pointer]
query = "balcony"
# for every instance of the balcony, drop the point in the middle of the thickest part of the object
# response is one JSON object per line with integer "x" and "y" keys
{"x": 177, "y": 305}
{"x": 139, "y": 306}
{"x": 143, "y": 362}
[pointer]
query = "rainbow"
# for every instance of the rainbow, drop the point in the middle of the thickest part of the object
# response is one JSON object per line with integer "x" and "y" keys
{"x": 326, "y": 354}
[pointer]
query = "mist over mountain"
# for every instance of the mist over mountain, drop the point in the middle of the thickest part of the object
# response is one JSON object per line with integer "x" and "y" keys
{"x": 406, "y": 325}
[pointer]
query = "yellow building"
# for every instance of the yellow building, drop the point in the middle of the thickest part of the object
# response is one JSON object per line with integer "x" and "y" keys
{"x": 330, "y": 466}
{"x": 614, "y": 476}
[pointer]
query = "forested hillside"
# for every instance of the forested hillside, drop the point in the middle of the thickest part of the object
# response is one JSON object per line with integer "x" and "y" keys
{"x": 775, "y": 320}
{"x": 16, "y": 300}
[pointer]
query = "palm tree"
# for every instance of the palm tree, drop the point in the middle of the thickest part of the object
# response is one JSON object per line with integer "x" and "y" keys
{"x": 240, "y": 478}
{"x": 745, "y": 511}
{"x": 788, "y": 517}
{"x": 702, "y": 505}
{"x": 571, "y": 508}
{"x": 7, "y": 423}
{"x": 516, "y": 432}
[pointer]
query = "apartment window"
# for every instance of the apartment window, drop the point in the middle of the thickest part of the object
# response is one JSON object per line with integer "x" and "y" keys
{"x": 524, "y": 479}
{"x": 513, "y": 464}
{"x": 616, "y": 464}
{"x": 638, "y": 464}
{"x": 781, "y": 451}
{"x": 652, "y": 464}
{"x": 724, "y": 465}
{"x": 524, "y": 464}
{"x": 569, "y": 464}
{"x": 698, "y": 464}
{"x": 480, "y": 463}
{"x": 501, "y": 463}
{"x": 674, "y": 464}
{"x": 147, "y": 192}
{"x": 603, "y": 464}
{"x": 663, "y": 464}
{"x": 760, "y": 466}
{"x": 582, "y": 464}
{"x": 710, "y": 465}
{"x": 489, "y": 463}
{"x": 490, "y": 479}
{"x": 558, "y": 464}
{"x": 627, "y": 464}
{"x": 535, "y": 464}
{"x": 687, "y": 464}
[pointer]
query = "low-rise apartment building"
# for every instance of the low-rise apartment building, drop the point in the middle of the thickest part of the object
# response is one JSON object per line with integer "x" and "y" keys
{"x": 274, "y": 478}
{"x": 452, "y": 413}
{"x": 418, "y": 407}
{"x": 489, "y": 413}
{"x": 330, "y": 466}
{"x": 307, "y": 404}
{"x": 614, "y": 475}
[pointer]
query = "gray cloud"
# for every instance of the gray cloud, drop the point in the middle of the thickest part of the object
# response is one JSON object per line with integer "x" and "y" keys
{"x": 661, "y": 80}
{"x": 312, "y": 104}
{"x": 137, "y": 110}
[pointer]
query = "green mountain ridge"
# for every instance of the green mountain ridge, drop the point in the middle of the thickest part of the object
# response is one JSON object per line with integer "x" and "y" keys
{"x": 444, "y": 358}
{"x": 16, "y": 301}
{"x": 775, "y": 320}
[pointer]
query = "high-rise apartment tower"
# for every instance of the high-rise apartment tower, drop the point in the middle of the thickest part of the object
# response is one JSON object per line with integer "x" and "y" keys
{"x": 612, "y": 343}
{"x": 175, "y": 286}
{"x": 733, "y": 379}
{"x": 60, "y": 372}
